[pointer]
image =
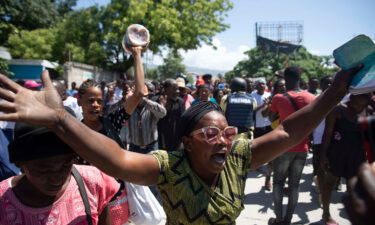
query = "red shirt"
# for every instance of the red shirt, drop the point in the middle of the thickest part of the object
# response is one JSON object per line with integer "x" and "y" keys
{"x": 284, "y": 107}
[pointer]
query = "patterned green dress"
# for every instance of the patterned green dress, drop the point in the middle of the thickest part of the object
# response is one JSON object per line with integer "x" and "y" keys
{"x": 186, "y": 199}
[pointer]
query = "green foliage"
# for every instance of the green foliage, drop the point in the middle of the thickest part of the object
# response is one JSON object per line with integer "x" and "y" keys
{"x": 59, "y": 71}
{"x": 176, "y": 24}
{"x": 36, "y": 44}
{"x": 79, "y": 38}
{"x": 4, "y": 67}
{"x": 18, "y": 15}
{"x": 51, "y": 30}
{"x": 264, "y": 64}
{"x": 152, "y": 74}
{"x": 64, "y": 7}
{"x": 190, "y": 79}
{"x": 171, "y": 67}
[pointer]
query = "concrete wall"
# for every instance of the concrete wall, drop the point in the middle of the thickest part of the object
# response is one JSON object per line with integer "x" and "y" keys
{"x": 79, "y": 72}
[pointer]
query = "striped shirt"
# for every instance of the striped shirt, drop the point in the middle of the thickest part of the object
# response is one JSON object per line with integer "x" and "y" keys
{"x": 143, "y": 123}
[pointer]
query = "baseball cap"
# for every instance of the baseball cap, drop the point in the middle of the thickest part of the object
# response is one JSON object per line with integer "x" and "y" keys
{"x": 180, "y": 82}
{"x": 32, "y": 84}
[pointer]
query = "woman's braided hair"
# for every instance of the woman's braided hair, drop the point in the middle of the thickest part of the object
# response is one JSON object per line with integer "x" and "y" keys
{"x": 87, "y": 84}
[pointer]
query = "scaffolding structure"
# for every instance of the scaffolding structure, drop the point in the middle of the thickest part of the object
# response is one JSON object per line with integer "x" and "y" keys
{"x": 290, "y": 32}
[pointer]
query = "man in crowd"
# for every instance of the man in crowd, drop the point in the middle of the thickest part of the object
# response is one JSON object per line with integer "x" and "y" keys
{"x": 313, "y": 85}
{"x": 168, "y": 126}
{"x": 262, "y": 122}
{"x": 239, "y": 107}
{"x": 143, "y": 134}
{"x": 74, "y": 91}
{"x": 291, "y": 163}
{"x": 184, "y": 92}
{"x": 207, "y": 78}
{"x": 250, "y": 85}
{"x": 325, "y": 82}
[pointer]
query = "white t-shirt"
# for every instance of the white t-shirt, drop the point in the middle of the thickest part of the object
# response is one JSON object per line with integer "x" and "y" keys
{"x": 318, "y": 133}
{"x": 117, "y": 95}
{"x": 260, "y": 120}
{"x": 72, "y": 103}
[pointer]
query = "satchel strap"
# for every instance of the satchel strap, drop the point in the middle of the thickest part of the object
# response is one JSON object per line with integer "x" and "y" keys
{"x": 82, "y": 190}
{"x": 295, "y": 106}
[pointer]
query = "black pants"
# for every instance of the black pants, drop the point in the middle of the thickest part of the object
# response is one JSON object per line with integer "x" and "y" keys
{"x": 316, "y": 158}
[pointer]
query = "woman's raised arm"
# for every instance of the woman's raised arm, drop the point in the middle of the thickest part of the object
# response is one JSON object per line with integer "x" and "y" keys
{"x": 44, "y": 108}
{"x": 301, "y": 123}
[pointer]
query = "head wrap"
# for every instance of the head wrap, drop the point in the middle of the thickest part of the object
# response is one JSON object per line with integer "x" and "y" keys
{"x": 192, "y": 115}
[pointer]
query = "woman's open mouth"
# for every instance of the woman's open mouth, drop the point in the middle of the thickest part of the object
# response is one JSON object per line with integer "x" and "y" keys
{"x": 219, "y": 158}
{"x": 96, "y": 112}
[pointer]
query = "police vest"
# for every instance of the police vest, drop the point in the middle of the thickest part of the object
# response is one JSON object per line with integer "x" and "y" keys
{"x": 240, "y": 110}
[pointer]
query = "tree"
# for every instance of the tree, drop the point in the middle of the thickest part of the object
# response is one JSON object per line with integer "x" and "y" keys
{"x": 175, "y": 24}
{"x": 64, "y": 7}
{"x": 80, "y": 38}
{"x": 171, "y": 67}
{"x": 4, "y": 69}
{"x": 264, "y": 64}
{"x": 36, "y": 44}
{"x": 94, "y": 35}
{"x": 16, "y": 15}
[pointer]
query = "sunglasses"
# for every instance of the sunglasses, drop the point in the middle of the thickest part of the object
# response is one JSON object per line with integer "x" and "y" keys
{"x": 213, "y": 134}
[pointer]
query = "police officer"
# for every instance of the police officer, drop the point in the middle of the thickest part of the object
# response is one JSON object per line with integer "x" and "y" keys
{"x": 239, "y": 107}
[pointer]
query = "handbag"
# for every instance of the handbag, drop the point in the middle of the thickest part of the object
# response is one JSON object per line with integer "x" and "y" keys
{"x": 144, "y": 208}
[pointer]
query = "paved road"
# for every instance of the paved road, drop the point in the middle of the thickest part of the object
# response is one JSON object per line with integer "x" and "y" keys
{"x": 258, "y": 202}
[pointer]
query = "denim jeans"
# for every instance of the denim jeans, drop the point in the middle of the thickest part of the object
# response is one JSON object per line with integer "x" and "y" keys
{"x": 290, "y": 165}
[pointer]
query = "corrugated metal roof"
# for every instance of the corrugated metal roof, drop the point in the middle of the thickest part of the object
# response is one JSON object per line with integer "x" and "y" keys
{"x": 41, "y": 62}
{"x": 4, "y": 54}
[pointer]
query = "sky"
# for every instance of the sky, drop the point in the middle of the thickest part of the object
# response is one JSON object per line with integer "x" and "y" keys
{"x": 327, "y": 25}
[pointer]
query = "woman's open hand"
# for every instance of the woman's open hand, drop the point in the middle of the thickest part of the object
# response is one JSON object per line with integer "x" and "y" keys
{"x": 42, "y": 108}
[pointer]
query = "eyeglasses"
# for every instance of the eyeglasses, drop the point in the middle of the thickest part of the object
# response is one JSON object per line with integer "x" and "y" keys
{"x": 212, "y": 134}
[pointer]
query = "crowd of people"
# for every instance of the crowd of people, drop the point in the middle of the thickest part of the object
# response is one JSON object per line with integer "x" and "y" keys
{"x": 211, "y": 133}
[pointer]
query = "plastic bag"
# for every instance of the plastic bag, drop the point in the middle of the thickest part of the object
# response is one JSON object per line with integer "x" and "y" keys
{"x": 144, "y": 208}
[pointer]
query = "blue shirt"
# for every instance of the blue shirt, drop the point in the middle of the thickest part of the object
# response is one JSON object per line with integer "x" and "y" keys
{"x": 197, "y": 100}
